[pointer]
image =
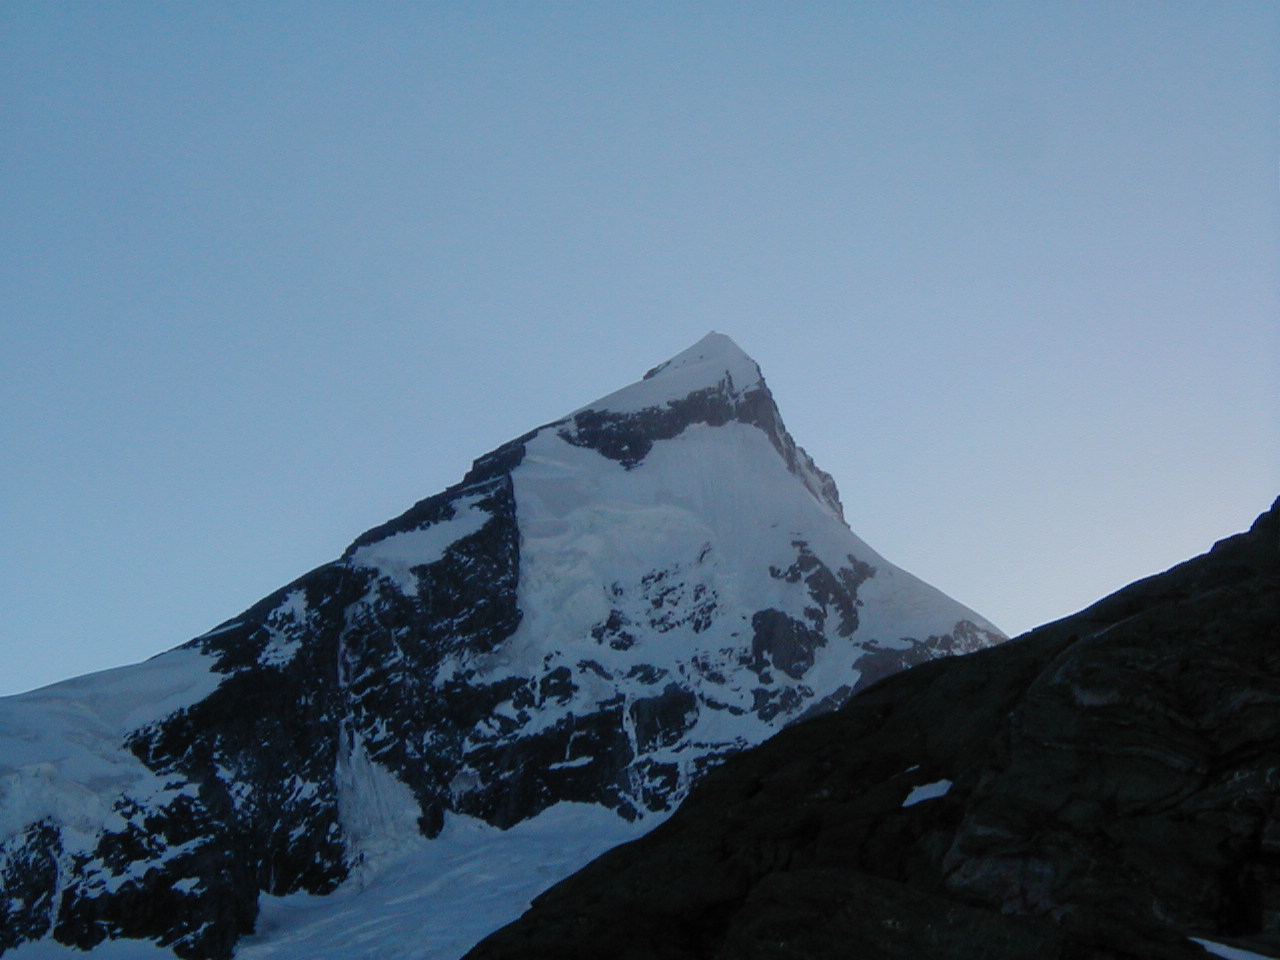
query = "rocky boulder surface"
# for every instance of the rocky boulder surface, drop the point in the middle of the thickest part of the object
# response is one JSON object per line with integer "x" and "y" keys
{"x": 1106, "y": 786}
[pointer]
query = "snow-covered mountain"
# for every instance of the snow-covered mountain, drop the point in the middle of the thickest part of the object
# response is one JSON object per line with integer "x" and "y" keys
{"x": 599, "y": 612}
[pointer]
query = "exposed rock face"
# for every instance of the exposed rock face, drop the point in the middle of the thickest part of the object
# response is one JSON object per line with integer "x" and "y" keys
{"x": 599, "y": 612}
{"x": 1107, "y": 786}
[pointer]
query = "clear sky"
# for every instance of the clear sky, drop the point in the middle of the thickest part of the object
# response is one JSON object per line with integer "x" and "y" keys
{"x": 273, "y": 272}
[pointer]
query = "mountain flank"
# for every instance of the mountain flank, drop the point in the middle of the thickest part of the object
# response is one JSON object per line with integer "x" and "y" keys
{"x": 601, "y": 611}
{"x": 1104, "y": 787}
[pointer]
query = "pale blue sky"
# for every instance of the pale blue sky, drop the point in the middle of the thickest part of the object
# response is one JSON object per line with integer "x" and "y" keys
{"x": 275, "y": 271}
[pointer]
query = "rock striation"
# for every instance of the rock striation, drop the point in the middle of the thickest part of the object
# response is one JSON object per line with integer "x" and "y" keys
{"x": 1106, "y": 786}
{"x": 600, "y": 612}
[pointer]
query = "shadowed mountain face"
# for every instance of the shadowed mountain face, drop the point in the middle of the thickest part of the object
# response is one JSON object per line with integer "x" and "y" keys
{"x": 598, "y": 613}
{"x": 1106, "y": 786}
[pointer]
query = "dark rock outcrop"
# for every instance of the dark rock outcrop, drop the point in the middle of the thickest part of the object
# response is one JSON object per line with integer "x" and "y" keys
{"x": 1106, "y": 786}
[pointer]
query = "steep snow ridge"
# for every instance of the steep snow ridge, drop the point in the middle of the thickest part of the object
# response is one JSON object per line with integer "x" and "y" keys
{"x": 899, "y": 605}
{"x": 713, "y": 360}
{"x": 123, "y": 698}
{"x": 63, "y": 755}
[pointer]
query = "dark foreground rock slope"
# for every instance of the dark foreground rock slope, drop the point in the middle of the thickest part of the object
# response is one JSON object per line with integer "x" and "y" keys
{"x": 1107, "y": 786}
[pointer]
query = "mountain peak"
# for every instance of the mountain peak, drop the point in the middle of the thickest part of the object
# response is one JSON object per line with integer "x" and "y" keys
{"x": 714, "y": 363}
{"x": 712, "y": 382}
{"x": 713, "y": 352}
{"x": 599, "y": 612}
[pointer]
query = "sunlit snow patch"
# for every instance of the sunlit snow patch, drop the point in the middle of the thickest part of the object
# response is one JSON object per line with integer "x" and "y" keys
{"x": 927, "y": 791}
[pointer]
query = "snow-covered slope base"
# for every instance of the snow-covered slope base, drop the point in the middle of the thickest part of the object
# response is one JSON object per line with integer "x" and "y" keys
{"x": 600, "y": 611}
{"x": 432, "y": 900}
